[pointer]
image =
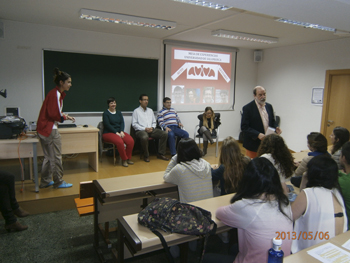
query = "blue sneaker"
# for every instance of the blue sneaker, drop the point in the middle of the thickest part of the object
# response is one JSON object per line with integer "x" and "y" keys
{"x": 64, "y": 185}
{"x": 45, "y": 186}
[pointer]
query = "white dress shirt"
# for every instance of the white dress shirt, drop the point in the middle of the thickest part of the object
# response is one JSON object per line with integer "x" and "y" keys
{"x": 142, "y": 119}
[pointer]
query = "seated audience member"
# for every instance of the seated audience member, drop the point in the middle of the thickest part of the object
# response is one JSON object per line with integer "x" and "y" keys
{"x": 8, "y": 203}
{"x": 144, "y": 123}
{"x": 258, "y": 210}
{"x": 190, "y": 172}
{"x": 317, "y": 144}
{"x": 170, "y": 122}
{"x": 273, "y": 148}
{"x": 113, "y": 132}
{"x": 339, "y": 136}
{"x": 208, "y": 123}
{"x": 344, "y": 178}
{"x": 319, "y": 208}
{"x": 232, "y": 166}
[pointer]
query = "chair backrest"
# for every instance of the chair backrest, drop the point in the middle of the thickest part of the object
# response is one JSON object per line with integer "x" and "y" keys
{"x": 100, "y": 128}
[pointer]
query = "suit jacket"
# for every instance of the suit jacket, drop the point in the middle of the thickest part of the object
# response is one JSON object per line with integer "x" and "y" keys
{"x": 252, "y": 125}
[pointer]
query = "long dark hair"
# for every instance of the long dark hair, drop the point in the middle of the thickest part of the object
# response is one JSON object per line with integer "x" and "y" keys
{"x": 322, "y": 171}
{"x": 274, "y": 144}
{"x": 187, "y": 150}
{"x": 341, "y": 136}
{"x": 261, "y": 177}
{"x": 60, "y": 75}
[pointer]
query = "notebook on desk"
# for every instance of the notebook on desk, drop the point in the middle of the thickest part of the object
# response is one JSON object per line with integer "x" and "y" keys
{"x": 67, "y": 125}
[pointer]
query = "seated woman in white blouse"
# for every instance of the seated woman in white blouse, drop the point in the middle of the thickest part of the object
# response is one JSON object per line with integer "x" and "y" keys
{"x": 319, "y": 208}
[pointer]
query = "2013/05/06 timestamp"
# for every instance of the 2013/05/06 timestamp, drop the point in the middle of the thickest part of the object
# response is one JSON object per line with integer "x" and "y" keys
{"x": 302, "y": 235}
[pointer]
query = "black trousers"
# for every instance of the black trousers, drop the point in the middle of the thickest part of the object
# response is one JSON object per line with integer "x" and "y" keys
{"x": 8, "y": 201}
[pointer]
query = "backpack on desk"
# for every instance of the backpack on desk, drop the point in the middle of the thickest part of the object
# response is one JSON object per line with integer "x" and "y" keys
{"x": 172, "y": 216}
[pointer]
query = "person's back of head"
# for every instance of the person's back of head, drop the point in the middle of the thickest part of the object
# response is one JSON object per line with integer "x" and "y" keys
{"x": 341, "y": 136}
{"x": 260, "y": 177}
{"x": 322, "y": 172}
{"x": 232, "y": 158}
{"x": 275, "y": 145}
{"x": 187, "y": 150}
{"x": 345, "y": 151}
{"x": 317, "y": 142}
{"x": 60, "y": 76}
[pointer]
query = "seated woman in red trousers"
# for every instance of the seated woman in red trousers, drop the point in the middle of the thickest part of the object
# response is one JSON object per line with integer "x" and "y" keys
{"x": 113, "y": 132}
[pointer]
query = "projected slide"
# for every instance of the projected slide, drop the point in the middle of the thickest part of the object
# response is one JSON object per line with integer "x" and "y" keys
{"x": 198, "y": 78}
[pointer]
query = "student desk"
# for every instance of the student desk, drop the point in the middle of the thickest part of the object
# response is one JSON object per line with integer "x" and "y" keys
{"x": 140, "y": 240}
{"x": 298, "y": 156}
{"x": 119, "y": 196}
{"x": 302, "y": 256}
{"x": 27, "y": 149}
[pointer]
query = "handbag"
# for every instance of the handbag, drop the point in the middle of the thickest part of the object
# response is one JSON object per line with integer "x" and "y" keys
{"x": 172, "y": 216}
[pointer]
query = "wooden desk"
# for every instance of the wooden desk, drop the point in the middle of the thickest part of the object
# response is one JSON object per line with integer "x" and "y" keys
{"x": 27, "y": 149}
{"x": 119, "y": 196}
{"x": 302, "y": 256}
{"x": 140, "y": 240}
{"x": 298, "y": 156}
{"x": 79, "y": 140}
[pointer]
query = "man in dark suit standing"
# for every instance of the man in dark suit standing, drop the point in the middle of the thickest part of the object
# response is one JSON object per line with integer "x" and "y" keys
{"x": 258, "y": 120}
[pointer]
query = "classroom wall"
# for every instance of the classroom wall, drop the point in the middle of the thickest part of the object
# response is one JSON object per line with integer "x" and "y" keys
{"x": 289, "y": 74}
{"x": 21, "y": 69}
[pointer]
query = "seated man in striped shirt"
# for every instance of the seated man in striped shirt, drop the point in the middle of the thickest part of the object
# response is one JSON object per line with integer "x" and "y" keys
{"x": 170, "y": 122}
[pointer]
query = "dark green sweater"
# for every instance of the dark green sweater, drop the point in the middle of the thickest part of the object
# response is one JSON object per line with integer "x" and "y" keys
{"x": 113, "y": 122}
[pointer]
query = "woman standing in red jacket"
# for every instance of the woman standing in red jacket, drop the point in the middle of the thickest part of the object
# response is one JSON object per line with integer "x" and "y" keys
{"x": 50, "y": 139}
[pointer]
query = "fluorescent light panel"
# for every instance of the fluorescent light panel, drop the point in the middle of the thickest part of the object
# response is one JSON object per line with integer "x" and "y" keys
{"x": 126, "y": 19}
{"x": 205, "y": 4}
{"x": 304, "y": 24}
{"x": 244, "y": 36}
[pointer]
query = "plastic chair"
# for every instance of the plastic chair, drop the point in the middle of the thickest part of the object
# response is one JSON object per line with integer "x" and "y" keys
{"x": 216, "y": 138}
{"x": 101, "y": 143}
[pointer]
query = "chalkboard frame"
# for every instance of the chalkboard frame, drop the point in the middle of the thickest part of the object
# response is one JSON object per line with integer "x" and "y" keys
{"x": 96, "y": 77}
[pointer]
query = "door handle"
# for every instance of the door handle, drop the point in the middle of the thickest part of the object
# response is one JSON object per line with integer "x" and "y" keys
{"x": 329, "y": 122}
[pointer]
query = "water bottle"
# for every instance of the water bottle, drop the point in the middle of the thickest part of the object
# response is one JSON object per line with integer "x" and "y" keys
{"x": 275, "y": 253}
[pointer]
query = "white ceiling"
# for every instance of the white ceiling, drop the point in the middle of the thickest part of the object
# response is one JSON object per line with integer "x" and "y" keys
{"x": 194, "y": 23}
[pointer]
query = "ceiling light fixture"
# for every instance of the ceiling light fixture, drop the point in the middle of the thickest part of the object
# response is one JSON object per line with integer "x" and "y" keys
{"x": 126, "y": 19}
{"x": 304, "y": 24}
{"x": 244, "y": 36}
{"x": 205, "y": 4}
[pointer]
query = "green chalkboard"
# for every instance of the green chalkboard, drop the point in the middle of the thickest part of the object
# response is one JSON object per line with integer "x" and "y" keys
{"x": 95, "y": 78}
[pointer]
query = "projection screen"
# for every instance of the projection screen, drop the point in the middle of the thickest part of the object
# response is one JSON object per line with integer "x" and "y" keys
{"x": 199, "y": 75}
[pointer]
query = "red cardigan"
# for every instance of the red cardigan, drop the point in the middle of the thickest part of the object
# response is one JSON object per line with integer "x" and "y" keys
{"x": 50, "y": 112}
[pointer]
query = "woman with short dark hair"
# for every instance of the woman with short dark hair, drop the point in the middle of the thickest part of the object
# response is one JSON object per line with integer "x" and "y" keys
{"x": 113, "y": 132}
{"x": 317, "y": 144}
{"x": 319, "y": 208}
{"x": 190, "y": 172}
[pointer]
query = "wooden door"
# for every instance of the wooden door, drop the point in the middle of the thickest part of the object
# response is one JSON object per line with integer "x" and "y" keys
{"x": 336, "y": 101}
